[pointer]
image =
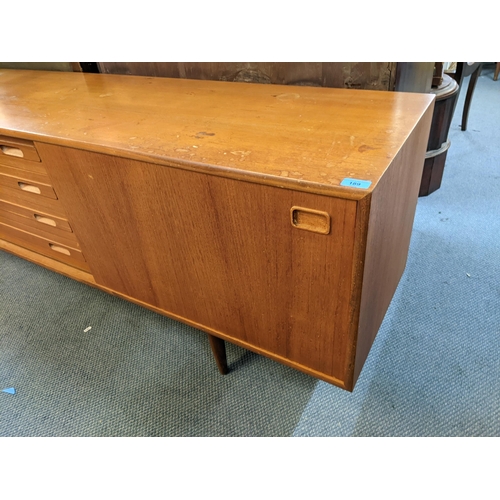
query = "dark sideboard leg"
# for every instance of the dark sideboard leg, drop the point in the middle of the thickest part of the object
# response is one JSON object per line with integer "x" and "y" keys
{"x": 219, "y": 351}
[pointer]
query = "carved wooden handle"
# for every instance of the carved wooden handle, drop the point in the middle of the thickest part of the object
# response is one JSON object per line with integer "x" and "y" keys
{"x": 45, "y": 220}
{"x": 59, "y": 249}
{"x": 7, "y": 150}
{"x": 29, "y": 188}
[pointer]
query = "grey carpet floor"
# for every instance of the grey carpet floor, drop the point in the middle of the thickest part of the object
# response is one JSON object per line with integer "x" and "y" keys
{"x": 434, "y": 369}
{"x": 135, "y": 373}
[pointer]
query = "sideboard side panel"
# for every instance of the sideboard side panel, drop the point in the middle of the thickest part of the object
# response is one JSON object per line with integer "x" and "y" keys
{"x": 392, "y": 211}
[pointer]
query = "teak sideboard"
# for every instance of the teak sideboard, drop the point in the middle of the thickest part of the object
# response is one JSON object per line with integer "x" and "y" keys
{"x": 274, "y": 217}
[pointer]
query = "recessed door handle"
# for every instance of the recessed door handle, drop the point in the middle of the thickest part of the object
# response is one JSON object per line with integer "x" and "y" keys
{"x": 310, "y": 220}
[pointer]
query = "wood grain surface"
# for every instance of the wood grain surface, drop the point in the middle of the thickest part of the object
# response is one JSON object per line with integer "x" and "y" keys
{"x": 17, "y": 148}
{"x": 45, "y": 246}
{"x": 23, "y": 164}
{"x": 390, "y": 222}
{"x": 219, "y": 252}
{"x": 22, "y": 183}
{"x": 33, "y": 226}
{"x": 37, "y": 217}
{"x": 37, "y": 177}
{"x": 47, "y": 262}
{"x": 48, "y": 206}
{"x": 305, "y": 138}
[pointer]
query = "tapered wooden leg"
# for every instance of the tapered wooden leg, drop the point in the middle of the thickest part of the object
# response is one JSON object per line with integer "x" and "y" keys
{"x": 497, "y": 70}
{"x": 219, "y": 351}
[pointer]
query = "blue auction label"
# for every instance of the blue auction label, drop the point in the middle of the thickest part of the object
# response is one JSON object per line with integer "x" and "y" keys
{"x": 356, "y": 183}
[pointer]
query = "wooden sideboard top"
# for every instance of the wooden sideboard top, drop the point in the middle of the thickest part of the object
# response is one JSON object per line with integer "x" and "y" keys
{"x": 304, "y": 138}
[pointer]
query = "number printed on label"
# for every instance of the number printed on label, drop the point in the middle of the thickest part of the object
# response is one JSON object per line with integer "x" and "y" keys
{"x": 357, "y": 183}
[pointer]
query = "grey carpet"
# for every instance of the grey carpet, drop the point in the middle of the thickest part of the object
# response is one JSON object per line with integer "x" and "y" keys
{"x": 135, "y": 373}
{"x": 434, "y": 369}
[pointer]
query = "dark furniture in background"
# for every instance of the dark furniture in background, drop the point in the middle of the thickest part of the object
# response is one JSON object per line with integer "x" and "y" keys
{"x": 438, "y": 145}
{"x": 446, "y": 100}
{"x": 463, "y": 70}
{"x": 355, "y": 75}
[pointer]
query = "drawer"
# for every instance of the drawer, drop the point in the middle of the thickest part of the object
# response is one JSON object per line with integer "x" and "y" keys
{"x": 39, "y": 177}
{"x": 35, "y": 202}
{"x": 24, "y": 165}
{"x": 44, "y": 246}
{"x": 39, "y": 228}
{"x": 38, "y": 217}
{"x": 18, "y": 149}
{"x": 28, "y": 186}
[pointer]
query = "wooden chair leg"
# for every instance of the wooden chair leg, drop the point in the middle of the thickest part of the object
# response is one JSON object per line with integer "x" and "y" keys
{"x": 219, "y": 351}
{"x": 468, "y": 98}
{"x": 497, "y": 70}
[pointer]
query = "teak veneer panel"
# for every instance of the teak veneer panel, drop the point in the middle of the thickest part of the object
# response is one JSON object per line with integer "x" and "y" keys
{"x": 43, "y": 230}
{"x": 24, "y": 174}
{"x": 33, "y": 201}
{"x": 47, "y": 262}
{"x": 16, "y": 182}
{"x": 48, "y": 222}
{"x": 17, "y": 148}
{"x": 389, "y": 226}
{"x": 220, "y": 252}
{"x": 45, "y": 246}
{"x": 22, "y": 164}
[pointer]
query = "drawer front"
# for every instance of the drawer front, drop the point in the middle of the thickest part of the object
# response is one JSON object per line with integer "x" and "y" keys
{"x": 38, "y": 177}
{"x": 22, "y": 164}
{"x": 27, "y": 186}
{"x": 39, "y": 228}
{"x": 44, "y": 246}
{"x": 18, "y": 149}
{"x": 33, "y": 201}
{"x": 38, "y": 217}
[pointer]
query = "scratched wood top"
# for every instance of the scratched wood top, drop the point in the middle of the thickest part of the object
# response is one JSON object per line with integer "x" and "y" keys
{"x": 306, "y": 138}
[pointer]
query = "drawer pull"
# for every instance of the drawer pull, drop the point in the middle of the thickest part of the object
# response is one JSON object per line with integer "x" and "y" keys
{"x": 310, "y": 220}
{"x": 29, "y": 188}
{"x": 7, "y": 150}
{"x": 45, "y": 220}
{"x": 59, "y": 249}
